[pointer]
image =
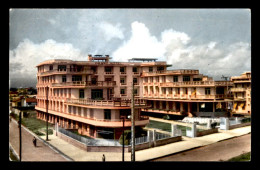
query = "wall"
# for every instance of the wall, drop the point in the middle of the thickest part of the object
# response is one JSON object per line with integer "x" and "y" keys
{"x": 239, "y": 125}
{"x": 91, "y": 148}
{"x": 206, "y": 132}
{"x": 158, "y": 143}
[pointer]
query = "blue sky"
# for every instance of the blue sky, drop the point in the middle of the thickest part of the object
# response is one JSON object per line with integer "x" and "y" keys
{"x": 215, "y": 41}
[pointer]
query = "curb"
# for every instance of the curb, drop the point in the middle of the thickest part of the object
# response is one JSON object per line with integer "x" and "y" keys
{"x": 46, "y": 143}
{"x": 14, "y": 152}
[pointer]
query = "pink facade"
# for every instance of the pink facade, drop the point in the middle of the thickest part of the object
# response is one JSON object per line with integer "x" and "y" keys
{"x": 92, "y": 96}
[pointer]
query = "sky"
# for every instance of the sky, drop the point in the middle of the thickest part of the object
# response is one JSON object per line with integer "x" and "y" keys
{"x": 214, "y": 41}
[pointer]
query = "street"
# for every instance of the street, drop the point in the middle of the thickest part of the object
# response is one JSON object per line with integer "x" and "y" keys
{"x": 220, "y": 151}
{"x": 30, "y": 153}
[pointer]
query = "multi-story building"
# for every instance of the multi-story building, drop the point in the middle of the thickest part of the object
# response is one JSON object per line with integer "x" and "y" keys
{"x": 242, "y": 94}
{"x": 93, "y": 96}
{"x": 185, "y": 92}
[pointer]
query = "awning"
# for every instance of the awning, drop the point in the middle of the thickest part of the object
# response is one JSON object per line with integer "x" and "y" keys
{"x": 242, "y": 104}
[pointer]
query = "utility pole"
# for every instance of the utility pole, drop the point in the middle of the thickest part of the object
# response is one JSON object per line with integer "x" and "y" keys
{"x": 20, "y": 135}
{"x": 132, "y": 126}
{"x": 123, "y": 149}
{"x": 47, "y": 115}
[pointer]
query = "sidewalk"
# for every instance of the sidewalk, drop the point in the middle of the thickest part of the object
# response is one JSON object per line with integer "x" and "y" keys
{"x": 43, "y": 152}
{"x": 144, "y": 155}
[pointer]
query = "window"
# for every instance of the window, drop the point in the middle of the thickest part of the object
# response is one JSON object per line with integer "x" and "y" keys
{"x": 207, "y": 91}
{"x": 150, "y": 69}
{"x": 186, "y": 78}
{"x": 64, "y": 78}
{"x": 108, "y": 69}
{"x": 135, "y": 80}
{"x": 61, "y": 67}
{"x": 51, "y": 67}
{"x": 134, "y": 69}
{"x": 122, "y": 91}
{"x": 178, "y": 90}
{"x": 135, "y": 92}
{"x": 122, "y": 80}
{"x": 81, "y": 93}
{"x": 122, "y": 69}
{"x": 107, "y": 114}
{"x": 160, "y": 68}
{"x": 108, "y": 79}
{"x": 185, "y": 90}
{"x": 175, "y": 78}
{"x": 76, "y": 78}
{"x": 197, "y": 79}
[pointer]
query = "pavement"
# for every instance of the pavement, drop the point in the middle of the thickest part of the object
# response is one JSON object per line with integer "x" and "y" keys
{"x": 220, "y": 151}
{"x": 187, "y": 143}
{"x": 42, "y": 152}
{"x": 56, "y": 149}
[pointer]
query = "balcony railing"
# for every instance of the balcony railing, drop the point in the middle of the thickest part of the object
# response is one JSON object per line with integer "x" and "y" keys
{"x": 186, "y": 96}
{"x": 238, "y": 89}
{"x": 66, "y": 71}
{"x": 170, "y": 72}
{"x": 86, "y": 83}
{"x": 108, "y": 73}
{"x": 108, "y": 103}
{"x": 141, "y": 120}
{"x": 197, "y": 83}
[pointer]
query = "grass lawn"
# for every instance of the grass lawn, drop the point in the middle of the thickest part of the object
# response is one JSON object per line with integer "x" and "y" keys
{"x": 159, "y": 125}
{"x": 243, "y": 157}
{"x": 13, "y": 158}
{"x": 33, "y": 124}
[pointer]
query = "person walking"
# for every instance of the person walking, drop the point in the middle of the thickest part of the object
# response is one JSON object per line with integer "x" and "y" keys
{"x": 34, "y": 141}
{"x": 103, "y": 158}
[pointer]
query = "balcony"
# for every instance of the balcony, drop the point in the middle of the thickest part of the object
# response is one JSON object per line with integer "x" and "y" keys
{"x": 86, "y": 84}
{"x": 112, "y": 104}
{"x": 170, "y": 72}
{"x": 67, "y": 71}
{"x": 113, "y": 123}
{"x": 196, "y": 83}
{"x": 238, "y": 89}
{"x": 109, "y": 73}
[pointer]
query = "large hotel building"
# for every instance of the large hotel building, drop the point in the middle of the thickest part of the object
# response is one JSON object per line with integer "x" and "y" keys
{"x": 94, "y": 96}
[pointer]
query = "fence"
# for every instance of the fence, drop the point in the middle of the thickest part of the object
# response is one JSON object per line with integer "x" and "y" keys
{"x": 231, "y": 123}
{"x": 88, "y": 141}
{"x": 159, "y": 136}
{"x": 141, "y": 140}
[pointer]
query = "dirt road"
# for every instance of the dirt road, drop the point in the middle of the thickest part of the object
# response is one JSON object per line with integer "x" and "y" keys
{"x": 220, "y": 151}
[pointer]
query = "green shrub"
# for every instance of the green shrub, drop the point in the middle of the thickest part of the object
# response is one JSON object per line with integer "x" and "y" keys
{"x": 127, "y": 137}
{"x": 166, "y": 117}
{"x": 243, "y": 157}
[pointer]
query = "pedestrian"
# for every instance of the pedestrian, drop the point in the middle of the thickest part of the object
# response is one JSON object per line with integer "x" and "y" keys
{"x": 103, "y": 158}
{"x": 34, "y": 141}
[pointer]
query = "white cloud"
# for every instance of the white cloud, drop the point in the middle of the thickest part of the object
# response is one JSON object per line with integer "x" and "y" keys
{"x": 176, "y": 48}
{"x": 27, "y": 55}
{"x": 110, "y": 31}
{"x": 141, "y": 44}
